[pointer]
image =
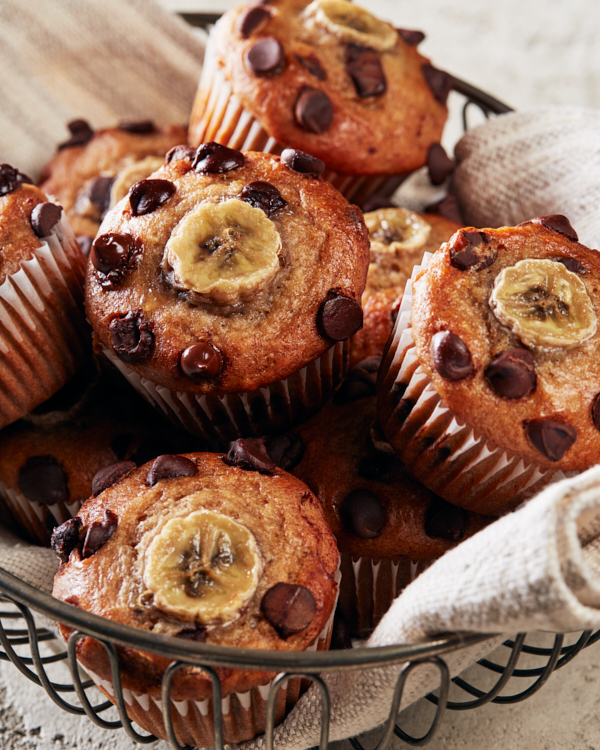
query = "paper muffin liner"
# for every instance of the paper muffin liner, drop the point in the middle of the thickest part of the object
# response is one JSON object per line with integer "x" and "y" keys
{"x": 218, "y": 115}
{"x": 268, "y": 410}
{"x": 42, "y": 327}
{"x": 441, "y": 450}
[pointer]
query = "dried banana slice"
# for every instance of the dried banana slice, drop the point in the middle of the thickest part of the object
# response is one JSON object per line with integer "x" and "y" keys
{"x": 224, "y": 252}
{"x": 350, "y": 23}
{"x": 204, "y": 567}
{"x": 132, "y": 173}
{"x": 394, "y": 230}
{"x": 544, "y": 304}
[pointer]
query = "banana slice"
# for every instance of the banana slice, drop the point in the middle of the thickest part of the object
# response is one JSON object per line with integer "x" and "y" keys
{"x": 350, "y": 23}
{"x": 224, "y": 252}
{"x": 132, "y": 173}
{"x": 544, "y": 304}
{"x": 204, "y": 567}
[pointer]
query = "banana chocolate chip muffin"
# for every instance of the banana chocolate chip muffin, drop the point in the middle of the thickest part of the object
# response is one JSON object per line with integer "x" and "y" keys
{"x": 93, "y": 170}
{"x": 490, "y": 386}
{"x": 399, "y": 239}
{"x": 326, "y": 77}
{"x": 226, "y": 287}
{"x": 212, "y": 548}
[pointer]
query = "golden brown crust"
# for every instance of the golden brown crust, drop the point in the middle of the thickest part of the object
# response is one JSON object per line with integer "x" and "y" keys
{"x": 17, "y": 238}
{"x": 358, "y": 139}
{"x": 292, "y": 535}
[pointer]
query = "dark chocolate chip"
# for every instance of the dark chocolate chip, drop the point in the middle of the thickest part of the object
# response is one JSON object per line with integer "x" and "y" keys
{"x": 364, "y": 68}
{"x": 81, "y": 133}
{"x": 139, "y": 127}
{"x": 9, "y": 179}
{"x": 197, "y": 634}
{"x": 340, "y": 317}
{"x": 412, "y": 38}
{"x": 85, "y": 243}
{"x": 377, "y": 201}
{"x": 286, "y": 451}
{"x": 114, "y": 254}
{"x": 265, "y": 57}
{"x": 451, "y": 356}
{"x": 65, "y": 538}
{"x": 131, "y": 337}
{"x": 110, "y": 475}
{"x": 289, "y": 607}
{"x": 596, "y": 411}
{"x": 44, "y": 217}
{"x": 302, "y": 162}
{"x": 471, "y": 250}
{"x": 449, "y": 208}
{"x": 340, "y": 634}
{"x": 201, "y": 361}
{"x": 357, "y": 384}
{"x": 250, "y": 454}
{"x": 362, "y": 514}
{"x": 263, "y": 195}
{"x": 99, "y": 193}
{"x": 148, "y": 195}
{"x": 551, "y": 438}
{"x": 370, "y": 364}
{"x": 311, "y": 63}
{"x": 213, "y": 158}
{"x": 43, "y": 480}
{"x": 169, "y": 466}
{"x": 377, "y": 467}
{"x": 445, "y": 520}
{"x": 99, "y": 533}
{"x": 313, "y": 110}
{"x": 177, "y": 153}
{"x": 251, "y": 19}
{"x": 439, "y": 82}
{"x": 439, "y": 164}
{"x": 511, "y": 374}
{"x": 572, "y": 265}
{"x": 557, "y": 223}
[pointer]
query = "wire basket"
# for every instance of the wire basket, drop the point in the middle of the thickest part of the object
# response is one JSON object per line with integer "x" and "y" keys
{"x": 35, "y": 650}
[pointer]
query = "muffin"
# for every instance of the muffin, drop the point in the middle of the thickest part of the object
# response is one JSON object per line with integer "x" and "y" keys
{"x": 42, "y": 327}
{"x": 212, "y": 548}
{"x": 399, "y": 239}
{"x": 489, "y": 389}
{"x": 325, "y": 77}
{"x": 93, "y": 170}
{"x": 226, "y": 287}
{"x": 388, "y": 526}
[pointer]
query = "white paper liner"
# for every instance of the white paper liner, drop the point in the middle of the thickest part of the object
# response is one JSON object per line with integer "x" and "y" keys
{"x": 218, "y": 115}
{"x": 497, "y": 479}
{"x": 42, "y": 327}
{"x": 273, "y": 408}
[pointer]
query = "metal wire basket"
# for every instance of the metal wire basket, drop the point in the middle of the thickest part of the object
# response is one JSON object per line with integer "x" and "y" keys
{"x": 34, "y": 651}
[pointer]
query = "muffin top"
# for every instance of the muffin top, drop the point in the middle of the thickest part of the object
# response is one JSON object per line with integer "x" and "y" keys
{"x": 226, "y": 550}
{"x": 505, "y": 323}
{"x": 93, "y": 170}
{"x": 227, "y": 271}
{"x": 331, "y": 79}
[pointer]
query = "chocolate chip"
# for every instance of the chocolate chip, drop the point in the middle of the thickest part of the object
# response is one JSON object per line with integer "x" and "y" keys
{"x": 340, "y": 317}
{"x": 555, "y": 222}
{"x": 213, "y": 158}
{"x": 370, "y": 364}
{"x": 42, "y": 479}
{"x": 340, "y": 634}
{"x": 110, "y": 475}
{"x": 596, "y": 411}
{"x": 357, "y": 384}
{"x": 131, "y": 337}
{"x": 471, "y": 250}
{"x": 114, "y": 254}
{"x": 169, "y": 466}
{"x": 139, "y": 127}
{"x": 148, "y": 195}
{"x": 311, "y": 63}
{"x": 451, "y": 356}
{"x": 377, "y": 201}
{"x": 85, "y": 243}
{"x": 364, "y": 67}
{"x": 65, "y": 538}
{"x": 412, "y": 38}
{"x": 81, "y": 133}
{"x": 439, "y": 164}
{"x": 572, "y": 265}
{"x": 313, "y": 110}
{"x": 263, "y": 195}
{"x": 289, "y": 607}
{"x": 362, "y": 514}
{"x": 201, "y": 361}
{"x": 286, "y": 451}
{"x": 99, "y": 533}
{"x": 511, "y": 374}
{"x": 250, "y": 454}
{"x": 302, "y": 162}
{"x": 11, "y": 179}
{"x": 251, "y": 19}
{"x": 445, "y": 520}
{"x": 177, "y": 153}
{"x": 551, "y": 438}
{"x": 44, "y": 217}
{"x": 265, "y": 57}
{"x": 197, "y": 634}
{"x": 449, "y": 208}
{"x": 439, "y": 82}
